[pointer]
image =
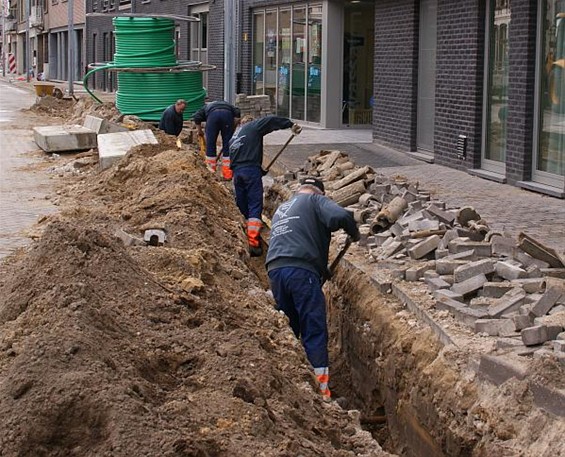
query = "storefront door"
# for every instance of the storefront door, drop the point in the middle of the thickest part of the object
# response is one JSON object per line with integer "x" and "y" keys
{"x": 427, "y": 75}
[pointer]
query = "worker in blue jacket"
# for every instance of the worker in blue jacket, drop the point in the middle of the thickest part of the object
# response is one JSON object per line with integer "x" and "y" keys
{"x": 220, "y": 117}
{"x": 172, "y": 118}
{"x": 297, "y": 266}
{"x": 246, "y": 154}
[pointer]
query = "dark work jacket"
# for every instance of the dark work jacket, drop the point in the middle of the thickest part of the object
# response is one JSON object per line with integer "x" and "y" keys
{"x": 202, "y": 114}
{"x": 246, "y": 145}
{"x": 301, "y": 232}
{"x": 171, "y": 121}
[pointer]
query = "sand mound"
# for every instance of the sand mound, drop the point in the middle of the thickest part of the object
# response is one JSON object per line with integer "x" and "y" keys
{"x": 174, "y": 350}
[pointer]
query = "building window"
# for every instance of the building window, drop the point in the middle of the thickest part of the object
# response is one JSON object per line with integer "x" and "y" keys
{"x": 258, "y": 47}
{"x": 550, "y": 157}
{"x": 199, "y": 37}
{"x": 287, "y": 59}
{"x": 497, "y": 86}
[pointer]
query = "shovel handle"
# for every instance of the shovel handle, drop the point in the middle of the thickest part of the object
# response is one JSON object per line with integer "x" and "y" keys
{"x": 338, "y": 257}
{"x": 267, "y": 168}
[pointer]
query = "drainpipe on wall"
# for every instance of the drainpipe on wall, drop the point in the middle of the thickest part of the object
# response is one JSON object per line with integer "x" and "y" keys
{"x": 71, "y": 44}
{"x": 230, "y": 49}
{"x": 27, "y": 60}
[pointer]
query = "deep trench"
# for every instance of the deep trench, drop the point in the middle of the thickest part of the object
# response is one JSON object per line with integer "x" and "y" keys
{"x": 377, "y": 367}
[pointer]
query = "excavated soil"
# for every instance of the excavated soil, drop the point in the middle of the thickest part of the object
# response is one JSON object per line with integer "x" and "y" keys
{"x": 108, "y": 350}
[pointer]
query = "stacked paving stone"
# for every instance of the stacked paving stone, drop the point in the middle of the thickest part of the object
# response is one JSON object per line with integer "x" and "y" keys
{"x": 254, "y": 105}
{"x": 498, "y": 286}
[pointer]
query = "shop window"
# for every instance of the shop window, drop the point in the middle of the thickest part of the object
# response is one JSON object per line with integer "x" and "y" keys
{"x": 550, "y": 157}
{"x": 497, "y": 87}
{"x": 287, "y": 58}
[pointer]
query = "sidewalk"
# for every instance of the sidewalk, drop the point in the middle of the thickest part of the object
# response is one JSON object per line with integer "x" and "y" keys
{"x": 505, "y": 207}
{"x": 23, "y": 187}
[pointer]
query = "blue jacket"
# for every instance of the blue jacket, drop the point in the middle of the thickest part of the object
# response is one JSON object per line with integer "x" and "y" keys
{"x": 301, "y": 232}
{"x": 202, "y": 114}
{"x": 171, "y": 121}
{"x": 246, "y": 145}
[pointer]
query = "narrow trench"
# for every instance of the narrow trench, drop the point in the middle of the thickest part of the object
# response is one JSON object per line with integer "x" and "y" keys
{"x": 380, "y": 367}
{"x": 353, "y": 385}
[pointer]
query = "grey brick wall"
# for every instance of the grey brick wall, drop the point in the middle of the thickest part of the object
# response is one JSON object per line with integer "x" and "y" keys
{"x": 459, "y": 80}
{"x": 216, "y": 50}
{"x": 396, "y": 65}
{"x": 521, "y": 91}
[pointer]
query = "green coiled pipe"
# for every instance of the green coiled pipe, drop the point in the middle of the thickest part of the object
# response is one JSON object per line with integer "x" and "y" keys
{"x": 143, "y": 42}
{"x": 159, "y": 91}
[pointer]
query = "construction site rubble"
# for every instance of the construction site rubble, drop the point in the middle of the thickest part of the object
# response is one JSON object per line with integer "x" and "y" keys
{"x": 493, "y": 284}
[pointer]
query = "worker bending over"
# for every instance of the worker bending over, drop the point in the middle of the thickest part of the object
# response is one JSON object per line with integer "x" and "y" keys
{"x": 220, "y": 117}
{"x": 246, "y": 153}
{"x": 297, "y": 266}
{"x": 171, "y": 120}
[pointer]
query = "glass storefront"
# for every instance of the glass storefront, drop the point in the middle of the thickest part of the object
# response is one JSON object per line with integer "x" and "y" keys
{"x": 550, "y": 158}
{"x": 285, "y": 44}
{"x": 497, "y": 86}
{"x": 287, "y": 59}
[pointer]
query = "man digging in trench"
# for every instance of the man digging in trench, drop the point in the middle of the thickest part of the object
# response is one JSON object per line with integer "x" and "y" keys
{"x": 246, "y": 154}
{"x": 297, "y": 266}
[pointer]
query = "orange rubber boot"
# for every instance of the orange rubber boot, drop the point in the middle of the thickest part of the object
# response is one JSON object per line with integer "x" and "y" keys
{"x": 227, "y": 172}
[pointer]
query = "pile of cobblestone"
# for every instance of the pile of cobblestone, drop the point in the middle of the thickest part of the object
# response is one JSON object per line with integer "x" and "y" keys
{"x": 491, "y": 282}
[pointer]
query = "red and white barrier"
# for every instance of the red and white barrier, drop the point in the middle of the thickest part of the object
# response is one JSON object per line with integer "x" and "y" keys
{"x": 11, "y": 63}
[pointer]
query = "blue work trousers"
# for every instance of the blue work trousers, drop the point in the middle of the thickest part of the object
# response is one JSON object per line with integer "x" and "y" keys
{"x": 219, "y": 121}
{"x": 298, "y": 293}
{"x": 248, "y": 185}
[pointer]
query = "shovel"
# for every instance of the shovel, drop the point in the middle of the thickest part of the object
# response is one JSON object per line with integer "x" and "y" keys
{"x": 338, "y": 257}
{"x": 268, "y": 167}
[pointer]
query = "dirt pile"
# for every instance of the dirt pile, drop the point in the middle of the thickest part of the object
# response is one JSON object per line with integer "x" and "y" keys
{"x": 74, "y": 111}
{"x": 175, "y": 350}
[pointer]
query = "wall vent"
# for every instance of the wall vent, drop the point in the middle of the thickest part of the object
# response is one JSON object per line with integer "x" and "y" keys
{"x": 462, "y": 147}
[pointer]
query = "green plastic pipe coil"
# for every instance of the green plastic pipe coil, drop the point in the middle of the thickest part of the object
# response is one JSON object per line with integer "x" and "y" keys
{"x": 148, "y": 94}
{"x": 148, "y": 43}
{"x": 144, "y": 42}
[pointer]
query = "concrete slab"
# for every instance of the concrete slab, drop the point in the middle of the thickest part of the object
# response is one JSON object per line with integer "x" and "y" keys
{"x": 63, "y": 138}
{"x": 113, "y": 146}
{"x": 102, "y": 126}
